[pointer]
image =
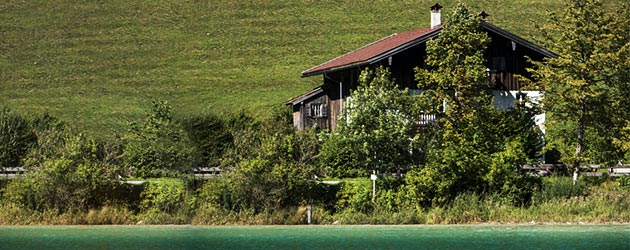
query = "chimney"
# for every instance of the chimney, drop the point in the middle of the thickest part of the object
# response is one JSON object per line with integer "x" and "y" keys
{"x": 483, "y": 15}
{"x": 436, "y": 15}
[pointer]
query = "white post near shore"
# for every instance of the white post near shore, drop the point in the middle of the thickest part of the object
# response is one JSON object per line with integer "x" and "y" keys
{"x": 309, "y": 214}
{"x": 373, "y": 177}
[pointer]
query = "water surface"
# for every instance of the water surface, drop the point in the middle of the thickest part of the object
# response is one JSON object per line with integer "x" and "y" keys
{"x": 317, "y": 237}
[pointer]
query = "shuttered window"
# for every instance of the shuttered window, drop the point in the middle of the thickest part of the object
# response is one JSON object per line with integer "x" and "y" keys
{"x": 318, "y": 110}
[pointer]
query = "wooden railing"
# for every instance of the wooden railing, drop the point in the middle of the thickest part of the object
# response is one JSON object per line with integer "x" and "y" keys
{"x": 505, "y": 80}
{"x": 426, "y": 119}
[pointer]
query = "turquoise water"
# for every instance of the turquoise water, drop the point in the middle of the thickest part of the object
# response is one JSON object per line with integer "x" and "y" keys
{"x": 317, "y": 237}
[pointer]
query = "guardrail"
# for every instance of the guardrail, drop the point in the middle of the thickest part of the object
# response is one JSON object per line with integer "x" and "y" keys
{"x": 203, "y": 173}
{"x": 613, "y": 170}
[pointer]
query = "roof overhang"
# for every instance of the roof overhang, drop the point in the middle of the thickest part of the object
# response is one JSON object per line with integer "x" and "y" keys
{"x": 304, "y": 97}
{"x": 518, "y": 40}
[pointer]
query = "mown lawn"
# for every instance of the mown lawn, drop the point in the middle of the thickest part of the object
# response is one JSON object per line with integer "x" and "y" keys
{"x": 98, "y": 64}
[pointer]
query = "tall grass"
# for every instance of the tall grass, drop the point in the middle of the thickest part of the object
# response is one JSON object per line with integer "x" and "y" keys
{"x": 210, "y": 215}
{"x": 558, "y": 203}
{"x": 13, "y": 215}
{"x": 608, "y": 202}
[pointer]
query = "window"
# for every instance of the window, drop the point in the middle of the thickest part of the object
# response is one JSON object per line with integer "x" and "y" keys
{"x": 318, "y": 110}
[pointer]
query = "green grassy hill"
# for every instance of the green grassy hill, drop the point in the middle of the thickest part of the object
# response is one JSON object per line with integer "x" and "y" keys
{"x": 97, "y": 64}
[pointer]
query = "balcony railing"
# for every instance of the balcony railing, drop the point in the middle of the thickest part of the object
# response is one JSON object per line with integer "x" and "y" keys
{"x": 504, "y": 80}
{"x": 426, "y": 119}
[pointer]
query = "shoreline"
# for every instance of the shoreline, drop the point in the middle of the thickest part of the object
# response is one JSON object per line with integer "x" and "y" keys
{"x": 335, "y": 225}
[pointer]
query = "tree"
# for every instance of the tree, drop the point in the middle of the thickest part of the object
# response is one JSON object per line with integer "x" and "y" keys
{"x": 480, "y": 147}
{"x": 68, "y": 173}
{"x": 456, "y": 72}
{"x": 378, "y": 132}
{"x": 587, "y": 85}
{"x": 210, "y": 135}
{"x": 160, "y": 148}
{"x": 16, "y": 137}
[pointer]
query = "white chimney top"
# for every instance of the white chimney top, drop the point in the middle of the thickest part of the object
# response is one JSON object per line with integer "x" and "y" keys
{"x": 436, "y": 15}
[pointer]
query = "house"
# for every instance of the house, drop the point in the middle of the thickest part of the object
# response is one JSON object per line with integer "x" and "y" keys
{"x": 402, "y": 52}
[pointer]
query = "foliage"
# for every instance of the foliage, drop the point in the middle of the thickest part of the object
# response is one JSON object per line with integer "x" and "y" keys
{"x": 269, "y": 166}
{"x": 165, "y": 194}
{"x": 507, "y": 180}
{"x": 480, "y": 148}
{"x": 587, "y": 85}
{"x": 624, "y": 181}
{"x": 160, "y": 147}
{"x": 456, "y": 70}
{"x": 355, "y": 196}
{"x": 76, "y": 176}
{"x": 210, "y": 135}
{"x": 16, "y": 137}
{"x": 378, "y": 132}
{"x": 259, "y": 186}
{"x": 560, "y": 187}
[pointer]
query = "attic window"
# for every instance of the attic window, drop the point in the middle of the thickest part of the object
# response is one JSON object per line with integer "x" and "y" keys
{"x": 319, "y": 110}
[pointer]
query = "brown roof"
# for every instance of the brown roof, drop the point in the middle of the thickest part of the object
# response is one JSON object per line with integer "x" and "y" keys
{"x": 395, "y": 43}
{"x": 305, "y": 96}
{"x": 375, "y": 51}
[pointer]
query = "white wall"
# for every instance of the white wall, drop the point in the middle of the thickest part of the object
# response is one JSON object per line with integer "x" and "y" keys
{"x": 506, "y": 99}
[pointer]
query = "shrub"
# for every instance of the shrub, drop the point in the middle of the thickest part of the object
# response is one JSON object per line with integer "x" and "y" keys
{"x": 624, "y": 181}
{"x": 166, "y": 195}
{"x": 210, "y": 135}
{"x": 16, "y": 137}
{"x": 73, "y": 177}
{"x": 355, "y": 196}
{"x": 160, "y": 148}
{"x": 166, "y": 201}
{"x": 560, "y": 187}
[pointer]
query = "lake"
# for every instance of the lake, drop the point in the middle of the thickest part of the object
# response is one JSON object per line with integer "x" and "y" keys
{"x": 317, "y": 237}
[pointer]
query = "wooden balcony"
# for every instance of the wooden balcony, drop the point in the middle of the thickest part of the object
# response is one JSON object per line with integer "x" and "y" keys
{"x": 504, "y": 80}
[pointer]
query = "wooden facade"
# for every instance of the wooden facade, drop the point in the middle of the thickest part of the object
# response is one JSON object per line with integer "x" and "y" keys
{"x": 401, "y": 53}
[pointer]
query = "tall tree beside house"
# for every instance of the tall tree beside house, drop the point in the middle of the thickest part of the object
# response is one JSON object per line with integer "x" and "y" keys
{"x": 587, "y": 86}
{"x": 378, "y": 132}
{"x": 456, "y": 68}
{"x": 480, "y": 146}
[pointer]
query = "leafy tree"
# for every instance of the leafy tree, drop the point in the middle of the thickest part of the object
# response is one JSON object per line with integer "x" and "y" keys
{"x": 480, "y": 147}
{"x": 269, "y": 166}
{"x": 159, "y": 148}
{"x": 378, "y": 132}
{"x": 210, "y": 135}
{"x": 586, "y": 87}
{"x": 77, "y": 174}
{"x": 456, "y": 73}
{"x": 16, "y": 137}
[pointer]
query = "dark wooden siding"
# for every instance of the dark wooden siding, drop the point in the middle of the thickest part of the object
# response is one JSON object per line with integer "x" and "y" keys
{"x": 506, "y": 60}
{"x": 304, "y": 115}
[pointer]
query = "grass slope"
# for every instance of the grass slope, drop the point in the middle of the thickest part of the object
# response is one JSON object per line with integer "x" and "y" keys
{"x": 97, "y": 64}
